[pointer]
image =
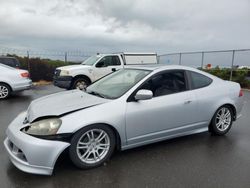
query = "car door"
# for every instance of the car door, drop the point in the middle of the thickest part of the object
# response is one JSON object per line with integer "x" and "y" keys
{"x": 172, "y": 110}
{"x": 106, "y": 65}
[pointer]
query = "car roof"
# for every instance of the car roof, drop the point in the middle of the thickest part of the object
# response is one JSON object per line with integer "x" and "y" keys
{"x": 158, "y": 67}
{"x": 7, "y": 57}
{"x": 162, "y": 67}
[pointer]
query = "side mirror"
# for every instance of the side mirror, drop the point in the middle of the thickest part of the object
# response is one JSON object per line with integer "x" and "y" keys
{"x": 144, "y": 94}
{"x": 100, "y": 64}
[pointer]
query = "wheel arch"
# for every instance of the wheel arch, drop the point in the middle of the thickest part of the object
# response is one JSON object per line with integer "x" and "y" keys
{"x": 80, "y": 76}
{"x": 115, "y": 131}
{"x": 7, "y": 85}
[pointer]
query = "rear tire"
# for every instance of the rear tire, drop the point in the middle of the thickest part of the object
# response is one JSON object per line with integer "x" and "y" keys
{"x": 80, "y": 83}
{"x": 222, "y": 120}
{"x": 4, "y": 91}
{"x": 92, "y": 146}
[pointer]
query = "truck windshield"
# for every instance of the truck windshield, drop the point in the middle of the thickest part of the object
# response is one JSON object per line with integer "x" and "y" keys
{"x": 91, "y": 60}
{"x": 116, "y": 84}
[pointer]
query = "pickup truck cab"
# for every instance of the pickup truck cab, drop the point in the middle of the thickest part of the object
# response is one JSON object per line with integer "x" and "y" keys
{"x": 96, "y": 67}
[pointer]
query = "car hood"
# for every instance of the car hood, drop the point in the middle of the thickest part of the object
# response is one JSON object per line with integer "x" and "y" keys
{"x": 62, "y": 103}
{"x": 74, "y": 67}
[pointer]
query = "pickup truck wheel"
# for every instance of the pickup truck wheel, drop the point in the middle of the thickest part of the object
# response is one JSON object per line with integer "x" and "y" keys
{"x": 80, "y": 83}
{"x": 4, "y": 91}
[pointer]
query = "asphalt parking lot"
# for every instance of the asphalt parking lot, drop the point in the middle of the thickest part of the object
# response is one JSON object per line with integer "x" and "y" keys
{"x": 200, "y": 160}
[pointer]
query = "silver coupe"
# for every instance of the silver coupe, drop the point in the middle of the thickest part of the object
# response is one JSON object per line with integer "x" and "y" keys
{"x": 126, "y": 109}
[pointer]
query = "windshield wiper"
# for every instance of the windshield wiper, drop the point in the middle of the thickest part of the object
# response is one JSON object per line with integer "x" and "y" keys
{"x": 97, "y": 94}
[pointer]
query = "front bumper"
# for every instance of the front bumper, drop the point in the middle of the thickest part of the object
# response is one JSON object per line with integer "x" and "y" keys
{"x": 31, "y": 154}
{"x": 63, "y": 81}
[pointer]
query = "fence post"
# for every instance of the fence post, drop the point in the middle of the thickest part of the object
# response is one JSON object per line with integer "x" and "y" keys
{"x": 232, "y": 66}
{"x": 158, "y": 59}
{"x": 180, "y": 59}
{"x": 28, "y": 62}
{"x": 65, "y": 58}
{"x": 202, "y": 60}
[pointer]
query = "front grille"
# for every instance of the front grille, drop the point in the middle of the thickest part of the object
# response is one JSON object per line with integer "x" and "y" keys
{"x": 57, "y": 72}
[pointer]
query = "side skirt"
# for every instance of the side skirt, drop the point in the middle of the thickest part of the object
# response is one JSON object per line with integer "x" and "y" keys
{"x": 125, "y": 147}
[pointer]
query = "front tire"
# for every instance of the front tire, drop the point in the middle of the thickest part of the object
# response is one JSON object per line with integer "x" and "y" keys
{"x": 80, "y": 83}
{"x": 92, "y": 146}
{"x": 222, "y": 120}
{"x": 4, "y": 91}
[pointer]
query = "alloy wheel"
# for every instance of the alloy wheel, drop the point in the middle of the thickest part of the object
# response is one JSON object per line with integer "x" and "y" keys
{"x": 223, "y": 119}
{"x": 81, "y": 85}
{"x": 4, "y": 92}
{"x": 93, "y": 146}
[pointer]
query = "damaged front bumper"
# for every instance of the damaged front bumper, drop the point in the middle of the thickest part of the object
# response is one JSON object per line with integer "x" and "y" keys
{"x": 31, "y": 154}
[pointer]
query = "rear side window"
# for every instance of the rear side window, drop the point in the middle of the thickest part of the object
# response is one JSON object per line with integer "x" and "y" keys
{"x": 166, "y": 83}
{"x": 198, "y": 80}
{"x": 9, "y": 61}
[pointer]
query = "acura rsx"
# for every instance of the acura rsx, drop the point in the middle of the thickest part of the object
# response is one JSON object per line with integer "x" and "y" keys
{"x": 126, "y": 109}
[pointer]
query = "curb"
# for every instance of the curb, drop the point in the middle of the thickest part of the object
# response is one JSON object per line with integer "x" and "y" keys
{"x": 245, "y": 89}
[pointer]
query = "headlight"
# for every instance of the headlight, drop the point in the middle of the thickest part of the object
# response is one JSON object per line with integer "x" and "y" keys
{"x": 44, "y": 127}
{"x": 64, "y": 73}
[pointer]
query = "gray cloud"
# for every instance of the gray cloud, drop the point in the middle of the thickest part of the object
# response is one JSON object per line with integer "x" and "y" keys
{"x": 125, "y": 25}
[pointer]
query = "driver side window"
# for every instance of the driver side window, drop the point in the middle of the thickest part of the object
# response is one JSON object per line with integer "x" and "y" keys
{"x": 105, "y": 61}
{"x": 109, "y": 61}
{"x": 166, "y": 83}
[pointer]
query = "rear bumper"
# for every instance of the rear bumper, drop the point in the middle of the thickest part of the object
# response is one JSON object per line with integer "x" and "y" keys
{"x": 239, "y": 105}
{"x": 31, "y": 154}
{"x": 63, "y": 81}
{"x": 23, "y": 85}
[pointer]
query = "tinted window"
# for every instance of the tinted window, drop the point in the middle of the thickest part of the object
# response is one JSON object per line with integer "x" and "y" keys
{"x": 9, "y": 61}
{"x": 115, "y": 60}
{"x": 166, "y": 83}
{"x": 199, "y": 80}
{"x": 105, "y": 61}
{"x": 109, "y": 61}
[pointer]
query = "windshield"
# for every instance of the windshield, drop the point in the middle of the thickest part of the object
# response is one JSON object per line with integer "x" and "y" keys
{"x": 116, "y": 84}
{"x": 91, "y": 60}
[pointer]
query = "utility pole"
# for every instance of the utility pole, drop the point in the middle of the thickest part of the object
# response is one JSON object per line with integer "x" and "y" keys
{"x": 180, "y": 59}
{"x": 65, "y": 58}
{"x": 28, "y": 62}
{"x": 232, "y": 66}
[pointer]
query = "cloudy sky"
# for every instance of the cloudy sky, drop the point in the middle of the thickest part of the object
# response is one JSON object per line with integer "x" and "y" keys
{"x": 125, "y": 25}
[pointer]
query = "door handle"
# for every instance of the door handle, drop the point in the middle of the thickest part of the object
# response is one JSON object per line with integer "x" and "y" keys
{"x": 187, "y": 102}
{"x": 113, "y": 69}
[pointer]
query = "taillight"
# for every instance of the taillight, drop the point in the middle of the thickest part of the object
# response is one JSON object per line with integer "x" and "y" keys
{"x": 25, "y": 75}
{"x": 241, "y": 93}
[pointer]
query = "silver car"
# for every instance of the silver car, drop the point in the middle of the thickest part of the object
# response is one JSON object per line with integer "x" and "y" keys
{"x": 126, "y": 109}
{"x": 12, "y": 80}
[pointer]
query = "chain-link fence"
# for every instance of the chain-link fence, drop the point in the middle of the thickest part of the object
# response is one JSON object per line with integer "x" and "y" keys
{"x": 42, "y": 64}
{"x": 228, "y": 64}
{"x": 66, "y": 56}
{"x": 235, "y": 60}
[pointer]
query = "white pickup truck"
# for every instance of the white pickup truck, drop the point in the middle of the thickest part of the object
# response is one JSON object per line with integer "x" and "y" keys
{"x": 97, "y": 66}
